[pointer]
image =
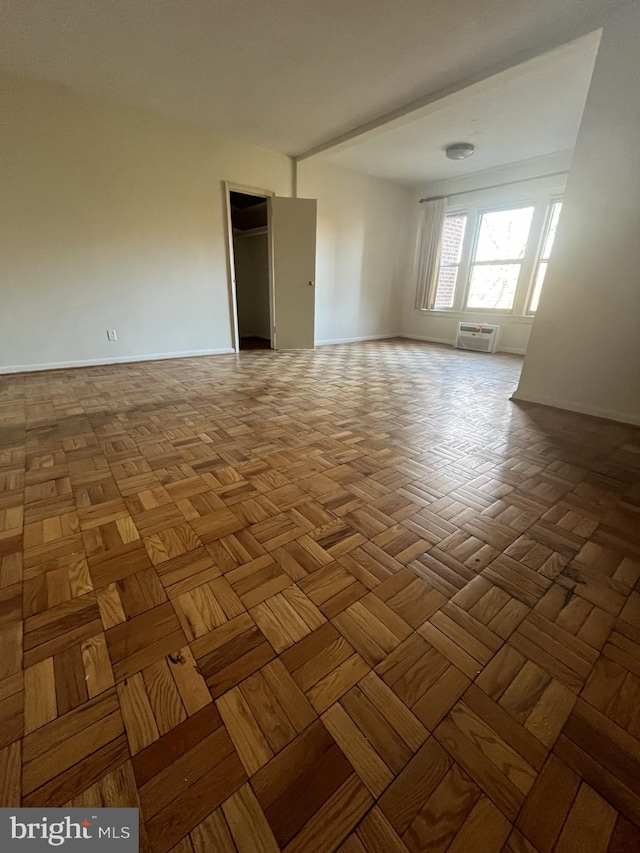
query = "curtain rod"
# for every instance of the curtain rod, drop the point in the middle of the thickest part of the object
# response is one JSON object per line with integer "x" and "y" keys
{"x": 495, "y": 186}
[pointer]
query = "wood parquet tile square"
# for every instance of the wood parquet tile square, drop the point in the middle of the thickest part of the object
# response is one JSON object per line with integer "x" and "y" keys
{"x": 345, "y": 600}
{"x": 184, "y": 775}
{"x": 143, "y": 640}
{"x": 313, "y": 763}
{"x": 425, "y": 680}
{"x": 372, "y": 628}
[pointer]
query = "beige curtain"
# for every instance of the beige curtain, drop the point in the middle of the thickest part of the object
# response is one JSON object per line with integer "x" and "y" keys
{"x": 429, "y": 250}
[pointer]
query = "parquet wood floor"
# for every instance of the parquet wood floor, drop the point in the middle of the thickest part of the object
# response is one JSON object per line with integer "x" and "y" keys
{"x": 352, "y": 599}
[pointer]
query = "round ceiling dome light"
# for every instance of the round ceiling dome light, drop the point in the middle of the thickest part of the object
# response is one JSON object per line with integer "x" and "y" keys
{"x": 459, "y": 150}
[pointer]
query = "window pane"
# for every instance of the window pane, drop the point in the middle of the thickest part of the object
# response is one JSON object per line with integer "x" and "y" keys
{"x": 446, "y": 287}
{"x": 493, "y": 286}
{"x": 551, "y": 233}
{"x": 452, "y": 239}
{"x": 503, "y": 234}
{"x": 549, "y": 239}
{"x": 537, "y": 289}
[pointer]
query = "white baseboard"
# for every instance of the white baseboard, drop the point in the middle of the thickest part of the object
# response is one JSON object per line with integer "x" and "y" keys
{"x": 358, "y": 339}
{"x": 448, "y": 342}
{"x": 580, "y": 408}
{"x": 123, "y": 359}
{"x": 429, "y": 339}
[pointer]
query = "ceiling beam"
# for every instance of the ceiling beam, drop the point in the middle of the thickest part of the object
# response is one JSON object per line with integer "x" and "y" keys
{"x": 430, "y": 103}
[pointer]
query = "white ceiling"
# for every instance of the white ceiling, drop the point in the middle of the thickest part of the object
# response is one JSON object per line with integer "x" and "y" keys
{"x": 529, "y": 111}
{"x": 285, "y": 74}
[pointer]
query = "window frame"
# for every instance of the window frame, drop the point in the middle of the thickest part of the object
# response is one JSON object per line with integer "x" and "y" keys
{"x": 450, "y": 214}
{"x": 480, "y": 212}
{"x": 551, "y": 202}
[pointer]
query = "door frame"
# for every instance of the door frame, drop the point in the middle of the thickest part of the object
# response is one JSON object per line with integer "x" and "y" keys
{"x": 229, "y": 187}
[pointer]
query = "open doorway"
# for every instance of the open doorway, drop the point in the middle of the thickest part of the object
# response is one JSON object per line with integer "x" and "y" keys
{"x": 250, "y": 258}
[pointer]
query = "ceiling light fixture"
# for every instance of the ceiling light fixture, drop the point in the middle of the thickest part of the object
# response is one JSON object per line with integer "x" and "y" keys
{"x": 459, "y": 150}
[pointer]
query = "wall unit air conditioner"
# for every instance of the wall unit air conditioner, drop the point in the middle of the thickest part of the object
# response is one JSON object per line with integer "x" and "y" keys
{"x": 479, "y": 337}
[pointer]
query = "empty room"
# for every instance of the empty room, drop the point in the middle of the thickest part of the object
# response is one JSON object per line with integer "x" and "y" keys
{"x": 320, "y": 426}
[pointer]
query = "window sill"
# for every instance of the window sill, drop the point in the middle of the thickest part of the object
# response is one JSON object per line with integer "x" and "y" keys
{"x": 479, "y": 316}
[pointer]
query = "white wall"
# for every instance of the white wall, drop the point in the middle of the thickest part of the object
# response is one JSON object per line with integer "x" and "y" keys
{"x": 584, "y": 352}
{"x": 251, "y": 252}
{"x": 113, "y": 218}
{"x": 361, "y": 251}
{"x": 442, "y": 326}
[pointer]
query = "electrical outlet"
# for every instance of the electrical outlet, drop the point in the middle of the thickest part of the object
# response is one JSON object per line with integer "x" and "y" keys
{"x": 111, "y": 335}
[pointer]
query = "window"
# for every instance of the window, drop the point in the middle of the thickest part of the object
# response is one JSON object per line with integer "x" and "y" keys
{"x": 494, "y": 255}
{"x": 452, "y": 240}
{"x": 547, "y": 246}
{"x": 499, "y": 251}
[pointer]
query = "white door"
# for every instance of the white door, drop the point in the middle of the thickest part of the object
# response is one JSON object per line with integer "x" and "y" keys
{"x": 292, "y": 226}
